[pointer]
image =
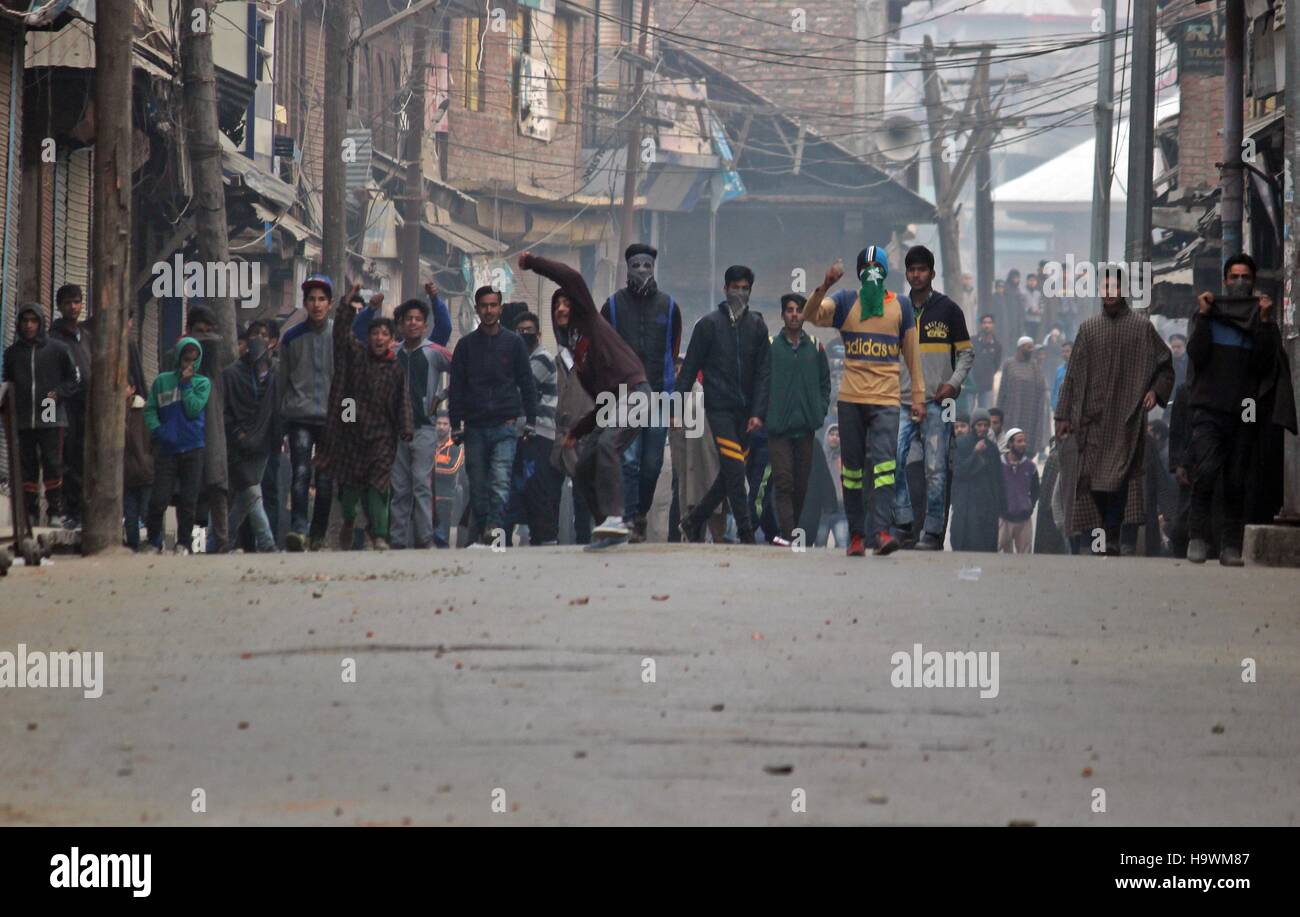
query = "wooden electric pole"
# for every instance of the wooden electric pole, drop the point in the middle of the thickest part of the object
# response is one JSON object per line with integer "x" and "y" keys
{"x": 334, "y": 198}
{"x": 203, "y": 139}
{"x": 634, "y": 138}
{"x": 106, "y": 415}
{"x": 413, "y": 202}
{"x": 951, "y": 169}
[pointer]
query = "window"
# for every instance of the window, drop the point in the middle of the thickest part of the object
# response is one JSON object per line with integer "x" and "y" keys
{"x": 558, "y": 59}
{"x": 521, "y": 35}
{"x": 469, "y": 64}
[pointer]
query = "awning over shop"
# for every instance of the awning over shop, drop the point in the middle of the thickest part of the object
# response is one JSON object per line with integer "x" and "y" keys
{"x": 238, "y": 169}
{"x": 458, "y": 235}
{"x": 292, "y": 227}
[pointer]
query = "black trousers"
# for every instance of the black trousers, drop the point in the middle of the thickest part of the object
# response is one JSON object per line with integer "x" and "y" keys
{"x": 791, "y": 459}
{"x": 41, "y": 455}
{"x": 732, "y": 443}
{"x": 182, "y": 474}
{"x": 1110, "y": 506}
{"x": 1218, "y": 459}
{"x": 543, "y": 486}
{"x": 74, "y": 457}
{"x": 868, "y": 450}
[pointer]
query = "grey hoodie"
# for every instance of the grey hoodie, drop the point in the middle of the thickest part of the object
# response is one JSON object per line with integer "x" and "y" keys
{"x": 306, "y": 369}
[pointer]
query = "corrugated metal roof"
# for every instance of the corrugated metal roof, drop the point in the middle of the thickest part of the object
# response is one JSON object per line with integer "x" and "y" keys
{"x": 459, "y": 236}
{"x": 1068, "y": 178}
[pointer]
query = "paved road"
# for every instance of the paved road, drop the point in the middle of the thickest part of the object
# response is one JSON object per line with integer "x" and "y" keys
{"x": 523, "y": 672}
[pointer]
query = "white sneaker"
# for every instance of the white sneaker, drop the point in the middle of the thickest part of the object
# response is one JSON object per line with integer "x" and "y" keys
{"x": 612, "y": 527}
{"x": 781, "y": 542}
{"x": 181, "y": 550}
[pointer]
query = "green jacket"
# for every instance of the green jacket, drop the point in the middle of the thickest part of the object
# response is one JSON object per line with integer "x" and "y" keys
{"x": 801, "y": 387}
{"x": 174, "y": 411}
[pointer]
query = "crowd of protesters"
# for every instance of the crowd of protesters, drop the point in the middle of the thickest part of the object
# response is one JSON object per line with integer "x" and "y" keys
{"x": 1083, "y": 434}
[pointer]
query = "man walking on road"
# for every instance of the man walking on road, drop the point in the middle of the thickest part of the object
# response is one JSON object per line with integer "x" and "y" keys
{"x": 800, "y": 397}
{"x": 1240, "y": 391}
{"x": 306, "y": 370}
{"x": 1120, "y": 368}
{"x": 1022, "y": 395}
{"x": 491, "y": 387}
{"x": 946, "y": 357}
{"x": 988, "y": 359}
{"x": 879, "y": 332}
{"x": 249, "y": 402}
{"x": 731, "y": 347}
{"x": 649, "y": 320}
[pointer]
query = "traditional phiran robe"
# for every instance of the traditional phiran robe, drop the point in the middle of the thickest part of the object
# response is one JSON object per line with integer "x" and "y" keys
{"x": 1116, "y": 360}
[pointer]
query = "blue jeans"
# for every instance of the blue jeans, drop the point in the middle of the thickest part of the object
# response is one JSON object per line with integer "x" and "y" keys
{"x": 135, "y": 507}
{"x": 642, "y": 462}
{"x": 935, "y": 435}
{"x": 302, "y": 437}
{"x": 489, "y": 458}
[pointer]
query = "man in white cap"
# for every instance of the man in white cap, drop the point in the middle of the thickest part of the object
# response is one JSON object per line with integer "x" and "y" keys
{"x": 1022, "y": 396}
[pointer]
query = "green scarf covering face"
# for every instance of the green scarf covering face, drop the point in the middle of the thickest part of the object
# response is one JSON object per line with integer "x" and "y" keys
{"x": 871, "y": 295}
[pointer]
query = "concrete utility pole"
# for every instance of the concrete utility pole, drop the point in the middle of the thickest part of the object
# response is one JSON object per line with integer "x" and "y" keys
{"x": 1232, "y": 178}
{"x": 871, "y": 21}
{"x": 334, "y": 198}
{"x": 106, "y": 414}
{"x": 413, "y": 209}
{"x": 1141, "y": 138}
{"x": 203, "y": 138}
{"x": 634, "y": 138}
{"x": 1104, "y": 121}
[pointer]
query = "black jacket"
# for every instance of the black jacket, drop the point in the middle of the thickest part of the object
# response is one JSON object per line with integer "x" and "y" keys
{"x": 251, "y": 419}
{"x": 736, "y": 359}
{"x": 36, "y": 369}
{"x": 653, "y": 328}
{"x": 491, "y": 380}
{"x": 77, "y": 340}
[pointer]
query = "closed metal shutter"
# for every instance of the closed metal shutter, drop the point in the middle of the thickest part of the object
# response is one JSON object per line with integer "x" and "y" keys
{"x": 73, "y": 189}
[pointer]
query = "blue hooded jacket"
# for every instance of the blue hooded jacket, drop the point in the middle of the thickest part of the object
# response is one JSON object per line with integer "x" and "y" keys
{"x": 175, "y": 411}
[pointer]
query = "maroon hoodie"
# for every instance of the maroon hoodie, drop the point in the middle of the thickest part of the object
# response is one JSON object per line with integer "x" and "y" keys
{"x": 602, "y": 359}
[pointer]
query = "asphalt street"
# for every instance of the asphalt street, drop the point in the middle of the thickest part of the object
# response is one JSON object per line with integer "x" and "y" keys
{"x": 652, "y": 684}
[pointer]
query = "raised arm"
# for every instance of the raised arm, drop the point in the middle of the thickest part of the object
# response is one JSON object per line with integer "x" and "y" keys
{"x": 440, "y": 333}
{"x": 818, "y": 309}
{"x": 581, "y": 305}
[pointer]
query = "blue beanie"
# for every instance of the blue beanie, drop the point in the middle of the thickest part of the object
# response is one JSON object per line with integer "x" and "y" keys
{"x": 873, "y": 254}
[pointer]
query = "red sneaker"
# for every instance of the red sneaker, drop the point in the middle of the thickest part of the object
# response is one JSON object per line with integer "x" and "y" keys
{"x": 857, "y": 547}
{"x": 886, "y": 544}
